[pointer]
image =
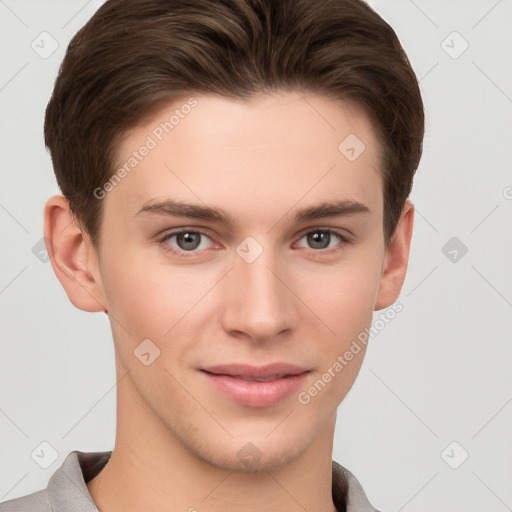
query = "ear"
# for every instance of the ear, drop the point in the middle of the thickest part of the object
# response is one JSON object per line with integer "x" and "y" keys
{"x": 73, "y": 257}
{"x": 396, "y": 259}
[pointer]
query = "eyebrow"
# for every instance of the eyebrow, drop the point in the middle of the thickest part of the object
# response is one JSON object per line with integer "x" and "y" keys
{"x": 174, "y": 208}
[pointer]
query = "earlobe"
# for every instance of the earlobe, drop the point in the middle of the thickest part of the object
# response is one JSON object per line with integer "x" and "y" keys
{"x": 396, "y": 260}
{"x": 69, "y": 252}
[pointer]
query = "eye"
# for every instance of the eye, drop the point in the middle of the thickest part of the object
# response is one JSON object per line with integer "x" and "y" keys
{"x": 321, "y": 239}
{"x": 190, "y": 241}
{"x": 187, "y": 240}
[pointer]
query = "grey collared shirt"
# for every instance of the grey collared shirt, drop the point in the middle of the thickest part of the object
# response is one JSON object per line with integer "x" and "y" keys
{"x": 67, "y": 490}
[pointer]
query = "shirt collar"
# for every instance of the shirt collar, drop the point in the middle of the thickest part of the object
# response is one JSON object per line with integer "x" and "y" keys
{"x": 67, "y": 489}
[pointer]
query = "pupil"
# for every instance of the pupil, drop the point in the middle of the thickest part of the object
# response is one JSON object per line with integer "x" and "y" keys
{"x": 320, "y": 237}
{"x": 189, "y": 239}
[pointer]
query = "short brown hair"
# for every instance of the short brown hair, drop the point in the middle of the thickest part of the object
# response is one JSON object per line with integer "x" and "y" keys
{"x": 134, "y": 56}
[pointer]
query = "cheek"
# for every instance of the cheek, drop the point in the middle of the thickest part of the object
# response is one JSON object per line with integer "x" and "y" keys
{"x": 343, "y": 297}
{"x": 148, "y": 299}
{"x": 345, "y": 305}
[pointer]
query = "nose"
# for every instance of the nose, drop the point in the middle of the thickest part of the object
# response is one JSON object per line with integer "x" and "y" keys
{"x": 259, "y": 302}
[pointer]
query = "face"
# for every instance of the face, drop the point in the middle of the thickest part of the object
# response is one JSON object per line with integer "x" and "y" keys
{"x": 267, "y": 278}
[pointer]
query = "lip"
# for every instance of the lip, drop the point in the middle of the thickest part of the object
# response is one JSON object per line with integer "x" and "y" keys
{"x": 248, "y": 371}
{"x": 229, "y": 380}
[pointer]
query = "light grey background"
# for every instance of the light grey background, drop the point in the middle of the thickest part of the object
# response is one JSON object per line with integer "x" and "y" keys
{"x": 438, "y": 373}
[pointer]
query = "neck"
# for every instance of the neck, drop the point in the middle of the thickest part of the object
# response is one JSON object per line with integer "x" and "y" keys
{"x": 151, "y": 469}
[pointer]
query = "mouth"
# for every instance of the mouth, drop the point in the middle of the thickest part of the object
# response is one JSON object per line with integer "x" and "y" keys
{"x": 268, "y": 372}
{"x": 256, "y": 386}
{"x": 257, "y": 379}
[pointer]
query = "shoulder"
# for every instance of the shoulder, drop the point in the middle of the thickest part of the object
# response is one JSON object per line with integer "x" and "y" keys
{"x": 38, "y": 501}
{"x": 66, "y": 490}
{"x": 356, "y": 499}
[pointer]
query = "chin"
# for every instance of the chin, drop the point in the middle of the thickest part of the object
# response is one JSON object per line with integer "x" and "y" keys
{"x": 252, "y": 453}
{"x": 253, "y": 459}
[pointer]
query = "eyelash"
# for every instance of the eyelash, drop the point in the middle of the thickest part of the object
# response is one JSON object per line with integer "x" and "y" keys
{"x": 188, "y": 254}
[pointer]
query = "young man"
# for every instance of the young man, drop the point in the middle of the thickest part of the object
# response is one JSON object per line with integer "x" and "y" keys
{"x": 235, "y": 178}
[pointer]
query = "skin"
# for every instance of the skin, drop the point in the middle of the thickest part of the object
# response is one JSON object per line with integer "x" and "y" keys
{"x": 177, "y": 437}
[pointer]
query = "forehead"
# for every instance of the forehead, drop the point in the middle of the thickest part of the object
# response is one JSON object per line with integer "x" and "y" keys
{"x": 280, "y": 149}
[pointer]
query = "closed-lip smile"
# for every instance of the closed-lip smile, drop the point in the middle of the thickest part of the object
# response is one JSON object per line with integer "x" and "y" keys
{"x": 256, "y": 386}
